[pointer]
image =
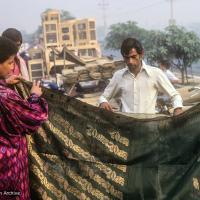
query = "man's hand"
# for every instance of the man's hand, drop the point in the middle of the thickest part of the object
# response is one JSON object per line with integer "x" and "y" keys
{"x": 36, "y": 89}
{"x": 177, "y": 111}
{"x": 13, "y": 79}
{"x": 106, "y": 106}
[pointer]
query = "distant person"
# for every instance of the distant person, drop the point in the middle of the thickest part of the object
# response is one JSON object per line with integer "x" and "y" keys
{"x": 20, "y": 67}
{"x": 165, "y": 66}
{"x": 25, "y": 57}
{"x": 18, "y": 117}
{"x": 137, "y": 85}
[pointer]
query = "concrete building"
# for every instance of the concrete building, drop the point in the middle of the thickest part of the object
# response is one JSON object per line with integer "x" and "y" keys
{"x": 77, "y": 35}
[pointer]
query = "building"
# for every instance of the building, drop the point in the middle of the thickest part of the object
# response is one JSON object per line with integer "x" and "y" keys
{"x": 77, "y": 35}
{"x": 36, "y": 63}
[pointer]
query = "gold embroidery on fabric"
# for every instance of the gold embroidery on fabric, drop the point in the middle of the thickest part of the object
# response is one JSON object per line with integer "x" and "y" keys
{"x": 43, "y": 135}
{"x": 108, "y": 187}
{"x": 67, "y": 126}
{"x": 65, "y": 185}
{"x": 110, "y": 174}
{"x": 123, "y": 168}
{"x": 77, "y": 193}
{"x": 45, "y": 182}
{"x": 102, "y": 182}
{"x": 112, "y": 148}
{"x": 43, "y": 179}
{"x": 117, "y": 137}
{"x": 86, "y": 155}
{"x": 33, "y": 153}
{"x": 87, "y": 186}
{"x": 70, "y": 143}
{"x": 196, "y": 183}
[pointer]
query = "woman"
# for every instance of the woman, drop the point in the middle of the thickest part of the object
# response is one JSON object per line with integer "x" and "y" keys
{"x": 18, "y": 117}
{"x": 20, "y": 66}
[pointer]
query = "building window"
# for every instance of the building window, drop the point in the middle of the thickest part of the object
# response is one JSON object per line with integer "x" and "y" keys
{"x": 82, "y": 35}
{"x": 82, "y": 52}
{"x": 91, "y": 52}
{"x": 82, "y": 43}
{"x": 36, "y": 56}
{"x": 92, "y": 25}
{"x": 36, "y": 66}
{"x": 65, "y": 30}
{"x": 92, "y": 35}
{"x": 81, "y": 26}
{"x": 65, "y": 37}
{"x": 54, "y": 17}
{"x": 50, "y": 27}
{"x": 37, "y": 74}
{"x": 51, "y": 38}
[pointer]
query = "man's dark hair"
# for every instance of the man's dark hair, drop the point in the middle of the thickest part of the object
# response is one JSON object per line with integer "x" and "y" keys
{"x": 7, "y": 49}
{"x": 13, "y": 34}
{"x": 166, "y": 63}
{"x": 129, "y": 44}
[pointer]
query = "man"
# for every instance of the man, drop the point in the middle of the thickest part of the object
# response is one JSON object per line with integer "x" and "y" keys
{"x": 20, "y": 68}
{"x": 164, "y": 66}
{"x": 137, "y": 85}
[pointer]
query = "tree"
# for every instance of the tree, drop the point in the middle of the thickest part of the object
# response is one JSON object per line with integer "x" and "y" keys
{"x": 175, "y": 44}
{"x": 155, "y": 48}
{"x": 183, "y": 48}
{"x": 120, "y": 31}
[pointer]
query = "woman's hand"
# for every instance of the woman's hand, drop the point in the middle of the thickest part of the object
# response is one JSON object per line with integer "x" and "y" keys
{"x": 13, "y": 79}
{"x": 36, "y": 89}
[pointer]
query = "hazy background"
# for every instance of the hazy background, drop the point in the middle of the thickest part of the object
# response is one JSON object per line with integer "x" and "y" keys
{"x": 150, "y": 14}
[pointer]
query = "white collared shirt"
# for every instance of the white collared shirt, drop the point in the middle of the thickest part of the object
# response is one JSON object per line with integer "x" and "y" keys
{"x": 170, "y": 75}
{"x": 138, "y": 94}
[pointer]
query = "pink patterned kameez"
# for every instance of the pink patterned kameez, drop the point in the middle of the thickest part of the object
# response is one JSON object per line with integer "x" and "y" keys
{"x": 18, "y": 117}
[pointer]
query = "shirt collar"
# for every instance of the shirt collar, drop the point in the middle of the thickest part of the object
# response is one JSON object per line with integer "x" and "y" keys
{"x": 144, "y": 68}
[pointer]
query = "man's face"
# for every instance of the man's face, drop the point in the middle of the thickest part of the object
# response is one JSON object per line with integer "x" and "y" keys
{"x": 133, "y": 60}
{"x": 6, "y": 67}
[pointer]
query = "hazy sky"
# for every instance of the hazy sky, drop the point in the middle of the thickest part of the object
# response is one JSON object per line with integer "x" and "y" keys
{"x": 25, "y": 14}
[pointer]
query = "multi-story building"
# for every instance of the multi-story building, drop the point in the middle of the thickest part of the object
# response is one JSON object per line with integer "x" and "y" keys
{"x": 36, "y": 63}
{"x": 77, "y": 35}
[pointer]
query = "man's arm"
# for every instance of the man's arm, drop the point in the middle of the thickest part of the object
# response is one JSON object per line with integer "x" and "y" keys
{"x": 110, "y": 92}
{"x": 164, "y": 85}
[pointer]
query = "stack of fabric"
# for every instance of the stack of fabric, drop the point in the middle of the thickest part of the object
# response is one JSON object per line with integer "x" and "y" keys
{"x": 83, "y": 73}
{"x": 70, "y": 75}
{"x": 93, "y": 69}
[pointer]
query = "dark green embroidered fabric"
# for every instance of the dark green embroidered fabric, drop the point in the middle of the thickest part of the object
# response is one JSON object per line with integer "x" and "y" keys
{"x": 83, "y": 152}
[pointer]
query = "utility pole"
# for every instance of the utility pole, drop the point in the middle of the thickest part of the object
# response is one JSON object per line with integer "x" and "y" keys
{"x": 103, "y": 5}
{"x": 171, "y": 20}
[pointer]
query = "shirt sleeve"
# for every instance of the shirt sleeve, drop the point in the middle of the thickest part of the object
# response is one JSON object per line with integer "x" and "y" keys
{"x": 171, "y": 76}
{"x": 165, "y": 86}
{"x": 22, "y": 116}
{"x": 111, "y": 90}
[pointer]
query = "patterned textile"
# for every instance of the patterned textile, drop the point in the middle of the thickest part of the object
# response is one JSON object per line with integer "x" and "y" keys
{"x": 83, "y": 152}
{"x": 18, "y": 117}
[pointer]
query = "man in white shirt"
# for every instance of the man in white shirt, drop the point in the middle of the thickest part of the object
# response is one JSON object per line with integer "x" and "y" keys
{"x": 137, "y": 85}
{"x": 164, "y": 66}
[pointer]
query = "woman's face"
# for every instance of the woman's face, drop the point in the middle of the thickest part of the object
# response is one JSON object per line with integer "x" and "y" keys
{"x": 6, "y": 67}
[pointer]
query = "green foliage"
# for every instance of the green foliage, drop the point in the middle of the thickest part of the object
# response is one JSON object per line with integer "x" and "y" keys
{"x": 155, "y": 49}
{"x": 175, "y": 44}
{"x": 118, "y": 32}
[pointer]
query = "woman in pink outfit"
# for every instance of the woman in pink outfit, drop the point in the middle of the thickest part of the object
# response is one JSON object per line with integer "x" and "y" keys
{"x": 20, "y": 67}
{"x": 18, "y": 117}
